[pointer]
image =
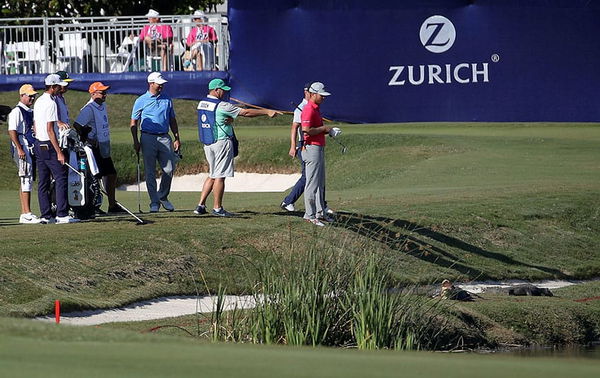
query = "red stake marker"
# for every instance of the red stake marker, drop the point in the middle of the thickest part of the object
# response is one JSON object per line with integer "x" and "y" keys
{"x": 57, "y": 311}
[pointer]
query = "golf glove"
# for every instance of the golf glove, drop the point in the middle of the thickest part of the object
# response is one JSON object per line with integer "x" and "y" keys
{"x": 335, "y": 132}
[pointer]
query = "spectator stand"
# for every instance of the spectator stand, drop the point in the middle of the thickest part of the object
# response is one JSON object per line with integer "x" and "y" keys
{"x": 97, "y": 45}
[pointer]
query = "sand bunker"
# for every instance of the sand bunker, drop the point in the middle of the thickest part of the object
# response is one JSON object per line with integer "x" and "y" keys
{"x": 241, "y": 182}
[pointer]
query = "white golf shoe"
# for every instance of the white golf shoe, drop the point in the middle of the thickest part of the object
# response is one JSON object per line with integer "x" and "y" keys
{"x": 288, "y": 206}
{"x": 29, "y": 218}
{"x": 67, "y": 219}
{"x": 316, "y": 222}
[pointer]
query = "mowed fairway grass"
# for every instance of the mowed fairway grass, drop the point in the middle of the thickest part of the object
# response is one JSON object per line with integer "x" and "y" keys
{"x": 30, "y": 349}
{"x": 459, "y": 201}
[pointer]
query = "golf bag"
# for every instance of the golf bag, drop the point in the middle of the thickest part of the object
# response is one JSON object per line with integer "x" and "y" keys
{"x": 83, "y": 180}
{"x": 83, "y": 187}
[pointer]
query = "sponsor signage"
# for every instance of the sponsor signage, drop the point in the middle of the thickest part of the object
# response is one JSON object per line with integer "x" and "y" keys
{"x": 437, "y": 35}
{"x": 421, "y": 61}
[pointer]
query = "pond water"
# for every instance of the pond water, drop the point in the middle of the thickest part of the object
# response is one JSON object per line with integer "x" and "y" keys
{"x": 592, "y": 352}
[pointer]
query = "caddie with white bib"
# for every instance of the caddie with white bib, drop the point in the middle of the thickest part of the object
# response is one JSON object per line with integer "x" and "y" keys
{"x": 215, "y": 130}
{"x": 93, "y": 127}
{"x": 20, "y": 130}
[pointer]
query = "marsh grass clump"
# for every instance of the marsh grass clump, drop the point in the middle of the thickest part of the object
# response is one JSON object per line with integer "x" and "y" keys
{"x": 329, "y": 295}
{"x": 382, "y": 318}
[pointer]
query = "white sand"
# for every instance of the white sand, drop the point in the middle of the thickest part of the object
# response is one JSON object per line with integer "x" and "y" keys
{"x": 154, "y": 309}
{"x": 241, "y": 182}
{"x": 480, "y": 287}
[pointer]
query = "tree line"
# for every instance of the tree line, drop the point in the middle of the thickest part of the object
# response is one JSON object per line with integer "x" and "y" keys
{"x": 89, "y": 8}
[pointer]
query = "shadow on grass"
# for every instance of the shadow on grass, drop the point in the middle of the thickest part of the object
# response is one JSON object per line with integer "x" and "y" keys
{"x": 294, "y": 214}
{"x": 189, "y": 214}
{"x": 9, "y": 222}
{"x": 380, "y": 229}
{"x": 208, "y": 216}
{"x": 121, "y": 219}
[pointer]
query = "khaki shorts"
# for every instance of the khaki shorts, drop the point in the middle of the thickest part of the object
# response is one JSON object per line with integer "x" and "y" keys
{"x": 25, "y": 168}
{"x": 219, "y": 157}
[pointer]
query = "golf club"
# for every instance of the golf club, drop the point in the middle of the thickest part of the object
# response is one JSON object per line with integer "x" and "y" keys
{"x": 140, "y": 221}
{"x": 344, "y": 148}
{"x": 138, "y": 185}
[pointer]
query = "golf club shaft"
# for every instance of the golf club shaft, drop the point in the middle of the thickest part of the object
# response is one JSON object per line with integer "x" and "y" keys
{"x": 258, "y": 107}
{"x": 106, "y": 194}
{"x": 120, "y": 205}
{"x": 340, "y": 143}
{"x": 138, "y": 184}
{"x": 74, "y": 170}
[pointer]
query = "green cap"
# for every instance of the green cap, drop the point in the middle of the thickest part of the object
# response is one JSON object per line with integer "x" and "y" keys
{"x": 64, "y": 76}
{"x": 218, "y": 84}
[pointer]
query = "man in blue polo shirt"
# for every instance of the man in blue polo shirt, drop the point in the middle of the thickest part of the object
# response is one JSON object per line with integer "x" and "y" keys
{"x": 155, "y": 113}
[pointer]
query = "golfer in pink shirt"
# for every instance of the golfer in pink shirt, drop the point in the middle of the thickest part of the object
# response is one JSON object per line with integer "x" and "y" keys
{"x": 313, "y": 155}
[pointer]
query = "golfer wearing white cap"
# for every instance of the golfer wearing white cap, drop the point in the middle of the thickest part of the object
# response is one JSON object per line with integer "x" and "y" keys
{"x": 20, "y": 130}
{"x": 155, "y": 113}
{"x": 296, "y": 142}
{"x": 313, "y": 155}
{"x": 49, "y": 157}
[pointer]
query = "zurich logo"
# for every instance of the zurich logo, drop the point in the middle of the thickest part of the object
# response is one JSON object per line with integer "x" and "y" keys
{"x": 437, "y": 34}
{"x": 203, "y": 118}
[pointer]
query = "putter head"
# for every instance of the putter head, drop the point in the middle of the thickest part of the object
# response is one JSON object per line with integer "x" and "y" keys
{"x": 344, "y": 149}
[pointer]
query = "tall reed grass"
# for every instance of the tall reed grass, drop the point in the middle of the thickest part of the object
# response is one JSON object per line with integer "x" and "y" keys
{"x": 330, "y": 295}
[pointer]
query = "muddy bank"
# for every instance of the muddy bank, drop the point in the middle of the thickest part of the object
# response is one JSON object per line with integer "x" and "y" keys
{"x": 496, "y": 320}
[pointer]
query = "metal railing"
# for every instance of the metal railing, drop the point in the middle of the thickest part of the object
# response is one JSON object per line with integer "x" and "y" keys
{"x": 111, "y": 45}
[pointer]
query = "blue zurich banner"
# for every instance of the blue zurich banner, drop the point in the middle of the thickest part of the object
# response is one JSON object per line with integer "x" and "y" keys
{"x": 421, "y": 60}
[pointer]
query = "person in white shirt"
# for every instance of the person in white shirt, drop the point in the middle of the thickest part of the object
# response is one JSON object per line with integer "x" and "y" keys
{"x": 94, "y": 119}
{"x": 49, "y": 157}
{"x": 20, "y": 130}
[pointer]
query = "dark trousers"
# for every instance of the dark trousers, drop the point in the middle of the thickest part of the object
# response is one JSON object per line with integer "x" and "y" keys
{"x": 298, "y": 188}
{"x": 48, "y": 166}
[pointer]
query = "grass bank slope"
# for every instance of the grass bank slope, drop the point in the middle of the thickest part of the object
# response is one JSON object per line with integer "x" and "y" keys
{"x": 458, "y": 201}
